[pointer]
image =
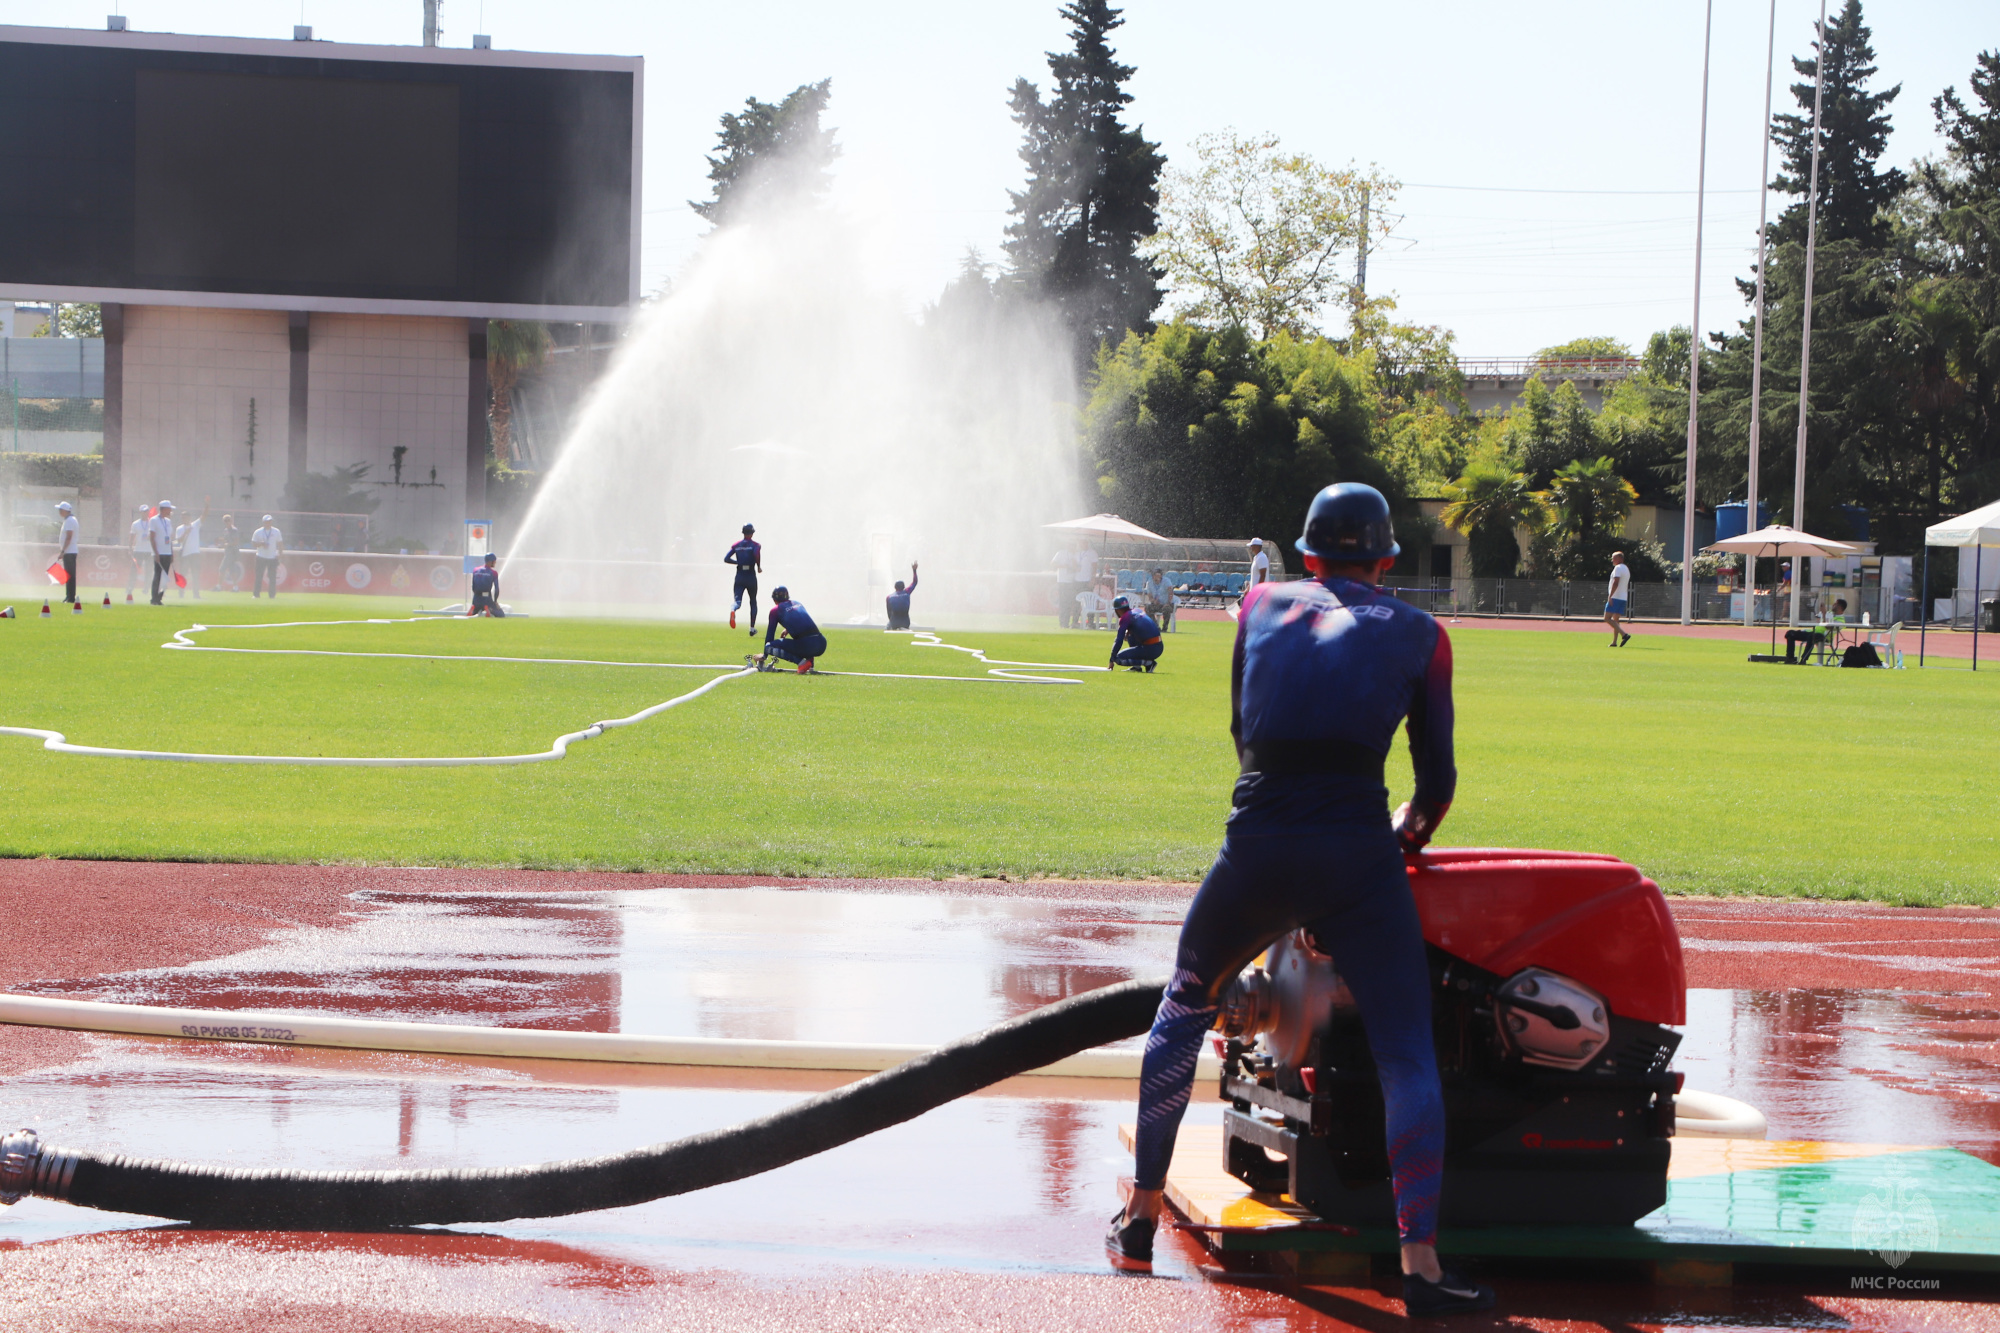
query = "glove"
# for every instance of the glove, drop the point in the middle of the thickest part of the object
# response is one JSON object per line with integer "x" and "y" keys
{"x": 1413, "y": 830}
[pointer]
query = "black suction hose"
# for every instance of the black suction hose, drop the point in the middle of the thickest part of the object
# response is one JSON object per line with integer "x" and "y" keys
{"x": 221, "y": 1197}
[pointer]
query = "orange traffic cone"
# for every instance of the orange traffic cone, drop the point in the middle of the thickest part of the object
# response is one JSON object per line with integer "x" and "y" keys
{"x": 76, "y": 607}
{"x": 128, "y": 597}
{"x": 107, "y": 599}
{"x": 45, "y": 608}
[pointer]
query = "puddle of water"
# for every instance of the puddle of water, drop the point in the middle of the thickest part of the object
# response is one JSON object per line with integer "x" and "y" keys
{"x": 1851, "y": 1066}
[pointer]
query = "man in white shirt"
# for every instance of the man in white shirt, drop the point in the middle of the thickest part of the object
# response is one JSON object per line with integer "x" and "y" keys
{"x": 141, "y": 550}
{"x": 160, "y": 537}
{"x": 1086, "y": 566}
{"x": 1066, "y": 589}
{"x": 1260, "y": 565}
{"x": 269, "y": 543}
{"x": 188, "y": 540}
{"x": 66, "y": 549}
{"x": 1617, "y": 597}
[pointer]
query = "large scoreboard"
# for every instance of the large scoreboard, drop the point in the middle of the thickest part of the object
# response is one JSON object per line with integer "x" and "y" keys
{"x": 175, "y": 170}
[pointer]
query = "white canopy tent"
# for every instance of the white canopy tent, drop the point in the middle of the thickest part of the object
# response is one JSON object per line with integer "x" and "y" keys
{"x": 1776, "y": 540}
{"x": 1978, "y": 529}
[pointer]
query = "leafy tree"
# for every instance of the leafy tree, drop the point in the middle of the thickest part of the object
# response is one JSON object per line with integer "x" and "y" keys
{"x": 1092, "y": 190}
{"x": 72, "y": 319}
{"x": 778, "y": 152}
{"x": 1589, "y": 501}
{"x": 1549, "y": 428}
{"x": 1489, "y": 503}
{"x": 1206, "y": 432}
{"x": 1253, "y": 234}
{"x": 1854, "y": 129}
{"x": 512, "y": 346}
{"x": 1586, "y": 349}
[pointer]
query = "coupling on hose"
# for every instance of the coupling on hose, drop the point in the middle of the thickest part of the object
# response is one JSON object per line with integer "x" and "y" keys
{"x": 26, "y": 1167}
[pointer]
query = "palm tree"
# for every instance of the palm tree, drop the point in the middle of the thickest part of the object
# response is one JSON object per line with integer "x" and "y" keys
{"x": 1590, "y": 501}
{"x": 512, "y": 345}
{"x": 1488, "y": 503}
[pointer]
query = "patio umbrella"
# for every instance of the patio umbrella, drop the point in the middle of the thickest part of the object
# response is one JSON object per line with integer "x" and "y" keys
{"x": 1979, "y": 529}
{"x": 1107, "y": 525}
{"x": 1776, "y": 540}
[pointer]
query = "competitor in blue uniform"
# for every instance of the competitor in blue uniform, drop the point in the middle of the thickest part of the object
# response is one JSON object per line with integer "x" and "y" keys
{"x": 1325, "y": 671}
{"x": 1142, "y": 631}
{"x": 804, "y": 643}
{"x": 899, "y": 600}
{"x": 486, "y": 590}
{"x": 748, "y": 557}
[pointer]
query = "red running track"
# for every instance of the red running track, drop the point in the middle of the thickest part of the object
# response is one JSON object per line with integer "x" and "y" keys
{"x": 1795, "y": 962}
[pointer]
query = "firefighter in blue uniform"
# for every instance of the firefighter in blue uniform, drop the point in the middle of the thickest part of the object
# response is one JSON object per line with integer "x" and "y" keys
{"x": 748, "y": 557}
{"x": 1326, "y": 669}
{"x": 486, "y": 591}
{"x": 803, "y": 642}
{"x": 1141, "y": 631}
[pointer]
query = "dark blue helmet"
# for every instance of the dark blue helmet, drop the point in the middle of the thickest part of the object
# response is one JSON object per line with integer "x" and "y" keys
{"x": 1349, "y": 521}
{"x": 1121, "y": 605}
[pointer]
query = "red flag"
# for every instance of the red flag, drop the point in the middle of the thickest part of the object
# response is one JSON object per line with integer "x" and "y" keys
{"x": 180, "y": 579}
{"x": 56, "y": 572}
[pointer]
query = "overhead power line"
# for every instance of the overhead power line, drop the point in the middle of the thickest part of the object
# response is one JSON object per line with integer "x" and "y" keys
{"x": 1511, "y": 189}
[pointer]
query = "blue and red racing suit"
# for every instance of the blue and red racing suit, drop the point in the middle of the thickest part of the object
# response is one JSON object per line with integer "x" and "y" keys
{"x": 1143, "y": 633}
{"x": 747, "y": 556}
{"x": 805, "y": 643}
{"x": 486, "y": 592}
{"x": 1325, "y": 671}
{"x": 899, "y": 605}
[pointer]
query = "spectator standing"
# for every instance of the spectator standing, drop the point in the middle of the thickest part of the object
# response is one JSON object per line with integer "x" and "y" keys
{"x": 160, "y": 540}
{"x": 66, "y": 550}
{"x": 1159, "y": 595}
{"x": 1066, "y": 586}
{"x": 269, "y": 544}
{"x": 899, "y": 600}
{"x": 1617, "y": 598}
{"x": 189, "y": 540}
{"x": 229, "y": 572}
{"x": 1260, "y": 565}
{"x": 1086, "y": 567}
{"x": 141, "y": 550}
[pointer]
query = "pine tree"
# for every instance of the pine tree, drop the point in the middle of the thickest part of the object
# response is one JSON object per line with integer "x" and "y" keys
{"x": 1092, "y": 190}
{"x": 771, "y": 150}
{"x": 1854, "y": 128}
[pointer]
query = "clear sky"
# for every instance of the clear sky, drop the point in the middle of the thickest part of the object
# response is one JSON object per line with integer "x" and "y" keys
{"x": 1548, "y": 150}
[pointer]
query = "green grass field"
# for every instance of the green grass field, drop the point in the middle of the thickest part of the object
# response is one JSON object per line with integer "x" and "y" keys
{"x": 1713, "y": 775}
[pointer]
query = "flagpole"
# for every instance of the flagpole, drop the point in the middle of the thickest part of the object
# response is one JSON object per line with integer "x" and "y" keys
{"x": 1805, "y": 329}
{"x": 1751, "y": 521}
{"x": 1694, "y": 341}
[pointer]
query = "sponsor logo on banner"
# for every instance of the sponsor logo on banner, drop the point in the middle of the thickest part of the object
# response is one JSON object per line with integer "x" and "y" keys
{"x": 441, "y": 577}
{"x": 315, "y": 579}
{"x": 359, "y": 576}
{"x": 400, "y": 579}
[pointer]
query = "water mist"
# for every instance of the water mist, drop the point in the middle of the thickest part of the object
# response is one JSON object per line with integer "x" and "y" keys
{"x": 785, "y": 382}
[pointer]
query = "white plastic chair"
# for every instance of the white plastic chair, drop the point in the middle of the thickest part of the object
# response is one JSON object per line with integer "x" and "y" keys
{"x": 1892, "y": 656}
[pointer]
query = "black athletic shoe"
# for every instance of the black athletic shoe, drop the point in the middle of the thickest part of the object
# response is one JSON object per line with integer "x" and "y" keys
{"x": 1451, "y": 1295}
{"x": 1622, "y": 642}
{"x": 1129, "y": 1245}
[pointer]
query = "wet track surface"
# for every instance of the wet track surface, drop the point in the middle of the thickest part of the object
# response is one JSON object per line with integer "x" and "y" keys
{"x": 1858, "y": 1024}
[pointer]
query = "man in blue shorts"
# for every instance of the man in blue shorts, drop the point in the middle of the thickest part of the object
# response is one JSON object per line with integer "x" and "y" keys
{"x": 804, "y": 642}
{"x": 748, "y": 557}
{"x": 1617, "y": 597}
{"x": 1141, "y": 631}
{"x": 1326, "y": 669}
{"x": 486, "y": 590}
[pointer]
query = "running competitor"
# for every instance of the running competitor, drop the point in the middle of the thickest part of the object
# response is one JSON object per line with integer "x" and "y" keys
{"x": 748, "y": 557}
{"x": 1325, "y": 671}
{"x": 805, "y": 642}
{"x": 1141, "y": 631}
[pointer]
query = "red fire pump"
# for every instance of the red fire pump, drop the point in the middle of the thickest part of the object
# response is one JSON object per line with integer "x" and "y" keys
{"x": 1556, "y": 981}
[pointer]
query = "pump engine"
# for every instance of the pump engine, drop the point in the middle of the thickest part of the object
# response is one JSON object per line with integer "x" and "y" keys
{"x": 1556, "y": 980}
